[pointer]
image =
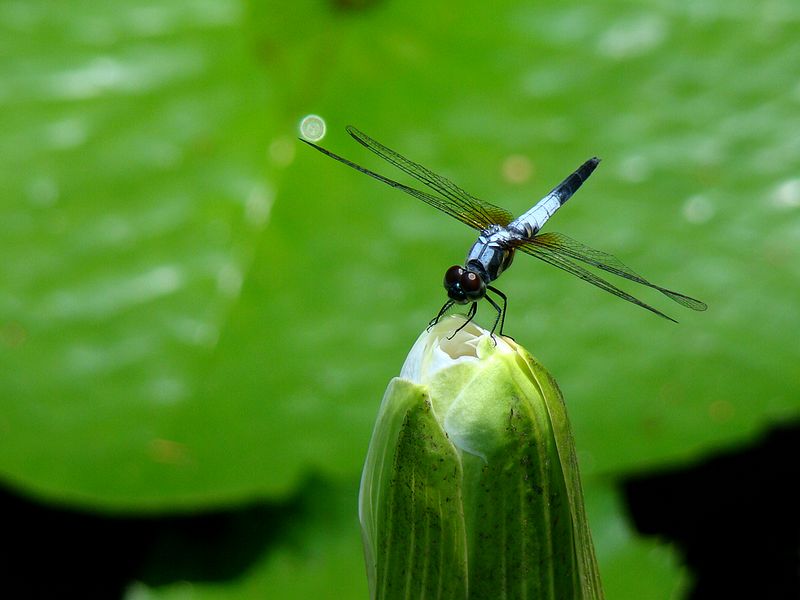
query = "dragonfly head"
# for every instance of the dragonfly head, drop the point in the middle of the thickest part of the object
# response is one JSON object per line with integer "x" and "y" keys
{"x": 463, "y": 285}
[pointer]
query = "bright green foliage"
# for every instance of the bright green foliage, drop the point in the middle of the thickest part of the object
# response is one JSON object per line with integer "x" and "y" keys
{"x": 176, "y": 333}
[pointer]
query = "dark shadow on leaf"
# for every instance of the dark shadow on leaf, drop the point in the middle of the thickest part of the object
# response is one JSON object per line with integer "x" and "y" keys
{"x": 735, "y": 517}
{"x": 55, "y": 552}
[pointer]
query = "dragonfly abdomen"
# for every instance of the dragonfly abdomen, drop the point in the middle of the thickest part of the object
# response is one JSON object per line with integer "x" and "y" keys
{"x": 529, "y": 223}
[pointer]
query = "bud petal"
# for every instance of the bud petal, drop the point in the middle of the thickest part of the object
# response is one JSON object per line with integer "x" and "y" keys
{"x": 470, "y": 487}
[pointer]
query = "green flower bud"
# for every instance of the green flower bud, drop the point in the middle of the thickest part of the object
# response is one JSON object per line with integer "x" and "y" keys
{"x": 471, "y": 487}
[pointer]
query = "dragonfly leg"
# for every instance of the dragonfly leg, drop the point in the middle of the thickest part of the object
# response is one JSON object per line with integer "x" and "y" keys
{"x": 502, "y": 312}
{"x": 470, "y": 315}
{"x": 497, "y": 320}
{"x": 444, "y": 309}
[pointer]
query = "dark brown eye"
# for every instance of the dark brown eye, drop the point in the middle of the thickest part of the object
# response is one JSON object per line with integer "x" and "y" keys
{"x": 471, "y": 282}
{"x": 473, "y": 285}
{"x": 452, "y": 276}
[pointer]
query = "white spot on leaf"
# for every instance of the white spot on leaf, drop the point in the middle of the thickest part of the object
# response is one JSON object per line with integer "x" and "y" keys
{"x": 312, "y": 128}
{"x": 787, "y": 194}
{"x": 698, "y": 209}
{"x": 633, "y": 37}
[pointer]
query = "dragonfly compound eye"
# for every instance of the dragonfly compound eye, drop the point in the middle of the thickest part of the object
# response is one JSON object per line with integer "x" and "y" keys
{"x": 452, "y": 276}
{"x": 452, "y": 283}
{"x": 473, "y": 285}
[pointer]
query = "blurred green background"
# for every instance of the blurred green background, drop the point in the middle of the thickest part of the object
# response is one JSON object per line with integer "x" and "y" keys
{"x": 197, "y": 311}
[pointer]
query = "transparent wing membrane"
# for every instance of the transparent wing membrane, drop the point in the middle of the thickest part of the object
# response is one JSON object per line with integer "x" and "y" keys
{"x": 466, "y": 216}
{"x": 545, "y": 254}
{"x": 564, "y": 246}
{"x": 460, "y": 200}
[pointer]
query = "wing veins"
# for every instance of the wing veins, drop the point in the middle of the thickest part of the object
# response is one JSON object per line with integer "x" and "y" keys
{"x": 465, "y": 217}
{"x": 565, "y": 264}
{"x": 567, "y": 247}
{"x": 487, "y": 213}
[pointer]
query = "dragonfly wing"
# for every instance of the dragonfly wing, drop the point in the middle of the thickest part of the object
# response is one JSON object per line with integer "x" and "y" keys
{"x": 464, "y": 213}
{"x": 486, "y": 213}
{"x": 547, "y": 255}
{"x": 561, "y": 245}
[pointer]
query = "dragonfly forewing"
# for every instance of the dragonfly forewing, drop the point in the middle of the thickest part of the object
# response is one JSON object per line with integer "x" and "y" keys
{"x": 466, "y": 214}
{"x": 488, "y": 214}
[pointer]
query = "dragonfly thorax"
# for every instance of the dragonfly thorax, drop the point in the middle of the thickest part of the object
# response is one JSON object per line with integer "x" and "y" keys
{"x": 491, "y": 254}
{"x": 464, "y": 285}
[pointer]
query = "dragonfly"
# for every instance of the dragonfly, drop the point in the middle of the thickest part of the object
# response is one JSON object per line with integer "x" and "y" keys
{"x": 500, "y": 236}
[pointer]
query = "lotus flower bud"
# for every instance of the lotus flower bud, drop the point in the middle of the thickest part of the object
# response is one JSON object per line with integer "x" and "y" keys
{"x": 471, "y": 487}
